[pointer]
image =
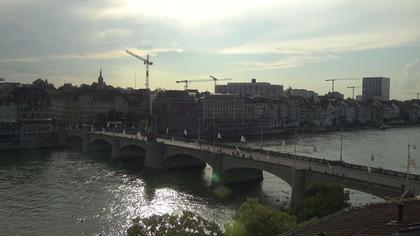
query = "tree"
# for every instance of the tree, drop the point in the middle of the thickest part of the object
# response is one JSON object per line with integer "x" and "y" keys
{"x": 186, "y": 224}
{"x": 323, "y": 199}
{"x": 253, "y": 218}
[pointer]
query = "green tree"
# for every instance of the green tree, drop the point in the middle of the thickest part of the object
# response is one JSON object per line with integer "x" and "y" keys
{"x": 253, "y": 218}
{"x": 186, "y": 224}
{"x": 323, "y": 199}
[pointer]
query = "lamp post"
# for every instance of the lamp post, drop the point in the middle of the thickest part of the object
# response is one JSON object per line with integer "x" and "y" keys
{"x": 341, "y": 148}
{"x": 409, "y": 147}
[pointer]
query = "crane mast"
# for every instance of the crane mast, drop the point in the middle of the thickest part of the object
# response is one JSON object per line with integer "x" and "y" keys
{"x": 353, "y": 87}
{"x": 146, "y": 61}
{"x": 216, "y": 79}
{"x": 333, "y": 80}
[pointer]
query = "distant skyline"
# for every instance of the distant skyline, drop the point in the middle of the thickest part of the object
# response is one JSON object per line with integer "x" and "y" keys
{"x": 293, "y": 43}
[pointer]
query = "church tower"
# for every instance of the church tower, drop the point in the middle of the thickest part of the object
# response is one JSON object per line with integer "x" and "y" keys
{"x": 101, "y": 83}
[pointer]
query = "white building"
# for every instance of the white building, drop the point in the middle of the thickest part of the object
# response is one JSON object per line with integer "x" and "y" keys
{"x": 251, "y": 89}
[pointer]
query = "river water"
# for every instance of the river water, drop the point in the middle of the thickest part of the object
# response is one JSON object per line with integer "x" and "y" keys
{"x": 64, "y": 192}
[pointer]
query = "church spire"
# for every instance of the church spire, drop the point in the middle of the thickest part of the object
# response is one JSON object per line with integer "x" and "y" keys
{"x": 101, "y": 82}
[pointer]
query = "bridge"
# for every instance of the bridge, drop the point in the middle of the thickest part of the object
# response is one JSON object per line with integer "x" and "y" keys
{"x": 233, "y": 165}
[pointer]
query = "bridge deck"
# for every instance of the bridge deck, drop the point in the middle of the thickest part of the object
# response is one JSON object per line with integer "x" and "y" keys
{"x": 356, "y": 172}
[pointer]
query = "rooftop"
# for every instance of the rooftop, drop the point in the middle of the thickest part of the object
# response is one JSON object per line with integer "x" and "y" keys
{"x": 375, "y": 219}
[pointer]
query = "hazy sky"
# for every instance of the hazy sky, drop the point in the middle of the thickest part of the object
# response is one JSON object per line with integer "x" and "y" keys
{"x": 295, "y": 43}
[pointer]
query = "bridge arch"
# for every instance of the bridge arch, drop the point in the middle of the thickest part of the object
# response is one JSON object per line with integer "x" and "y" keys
{"x": 75, "y": 141}
{"x": 180, "y": 160}
{"x": 99, "y": 148}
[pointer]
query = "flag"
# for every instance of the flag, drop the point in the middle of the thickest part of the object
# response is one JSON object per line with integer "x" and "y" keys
{"x": 219, "y": 136}
{"x": 412, "y": 163}
{"x": 77, "y": 126}
{"x": 372, "y": 158}
{"x": 368, "y": 169}
{"x": 185, "y": 132}
{"x": 138, "y": 134}
{"x": 123, "y": 131}
{"x": 167, "y": 131}
{"x": 107, "y": 125}
{"x": 92, "y": 129}
{"x": 243, "y": 139}
{"x": 283, "y": 143}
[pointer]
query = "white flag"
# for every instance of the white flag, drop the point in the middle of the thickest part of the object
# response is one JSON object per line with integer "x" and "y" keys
{"x": 123, "y": 131}
{"x": 243, "y": 139}
{"x": 167, "y": 131}
{"x": 368, "y": 169}
{"x": 219, "y": 136}
{"x": 185, "y": 132}
{"x": 107, "y": 125}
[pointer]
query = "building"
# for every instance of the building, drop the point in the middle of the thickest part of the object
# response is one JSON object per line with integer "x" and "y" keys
{"x": 175, "y": 111}
{"x": 376, "y": 219}
{"x": 307, "y": 94}
{"x": 35, "y": 126}
{"x": 251, "y": 89}
{"x": 230, "y": 114}
{"x": 376, "y": 88}
{"x": 9, "y": 128}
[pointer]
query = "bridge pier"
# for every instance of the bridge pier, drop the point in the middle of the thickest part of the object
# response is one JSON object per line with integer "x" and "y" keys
{"x": 85, "y": 142}
{"x": 298, "y": 189}
{"x": 115, "y": 154}
{"x": 154, "y": 155}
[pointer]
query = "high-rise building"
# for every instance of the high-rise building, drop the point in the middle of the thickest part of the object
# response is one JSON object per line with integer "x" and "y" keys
{"x": 251, "y": 89}
{"x": 376, "y": 88}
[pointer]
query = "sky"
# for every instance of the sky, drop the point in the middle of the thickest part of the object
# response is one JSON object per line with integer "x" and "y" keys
{"x": 296, "y": 43}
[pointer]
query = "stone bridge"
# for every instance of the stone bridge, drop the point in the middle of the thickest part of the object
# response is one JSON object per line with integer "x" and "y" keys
{"x": 231, "y": 165}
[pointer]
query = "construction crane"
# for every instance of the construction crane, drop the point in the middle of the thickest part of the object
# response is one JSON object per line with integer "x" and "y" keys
{"x": 216, "y": 79}
{"x": 418, "y": 94}
{"x": 146, "y": 61}
{"x": 333, "y": 80}
{"x": 187, "y": 82}
{"x": 353, "y": 87}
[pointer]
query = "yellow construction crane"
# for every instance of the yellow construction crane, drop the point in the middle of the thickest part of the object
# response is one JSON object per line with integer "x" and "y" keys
{"x": 418, "y": 94}
{"x": 187, "y": 82}
{"x": 353, "y": 87}
{"x": 146, "y": 61}
{"x": 333, "y": 80}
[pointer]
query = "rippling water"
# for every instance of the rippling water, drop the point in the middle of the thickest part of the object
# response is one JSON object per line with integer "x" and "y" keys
{"x": 60, "y": 192}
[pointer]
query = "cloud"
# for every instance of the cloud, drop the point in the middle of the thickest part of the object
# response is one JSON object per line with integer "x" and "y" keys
{"x": 288, "y": 62}
{"x": 105, "y": 55}
{"x": 411, "y": 75}
{"x": 329, "y": 44}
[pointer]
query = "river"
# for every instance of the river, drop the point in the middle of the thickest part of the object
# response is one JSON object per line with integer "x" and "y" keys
{"x": 65, "y": 192}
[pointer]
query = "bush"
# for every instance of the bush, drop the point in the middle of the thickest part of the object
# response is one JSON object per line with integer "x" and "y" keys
{"x": 323, "y": 199}
{"x": 255, "y": 219}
